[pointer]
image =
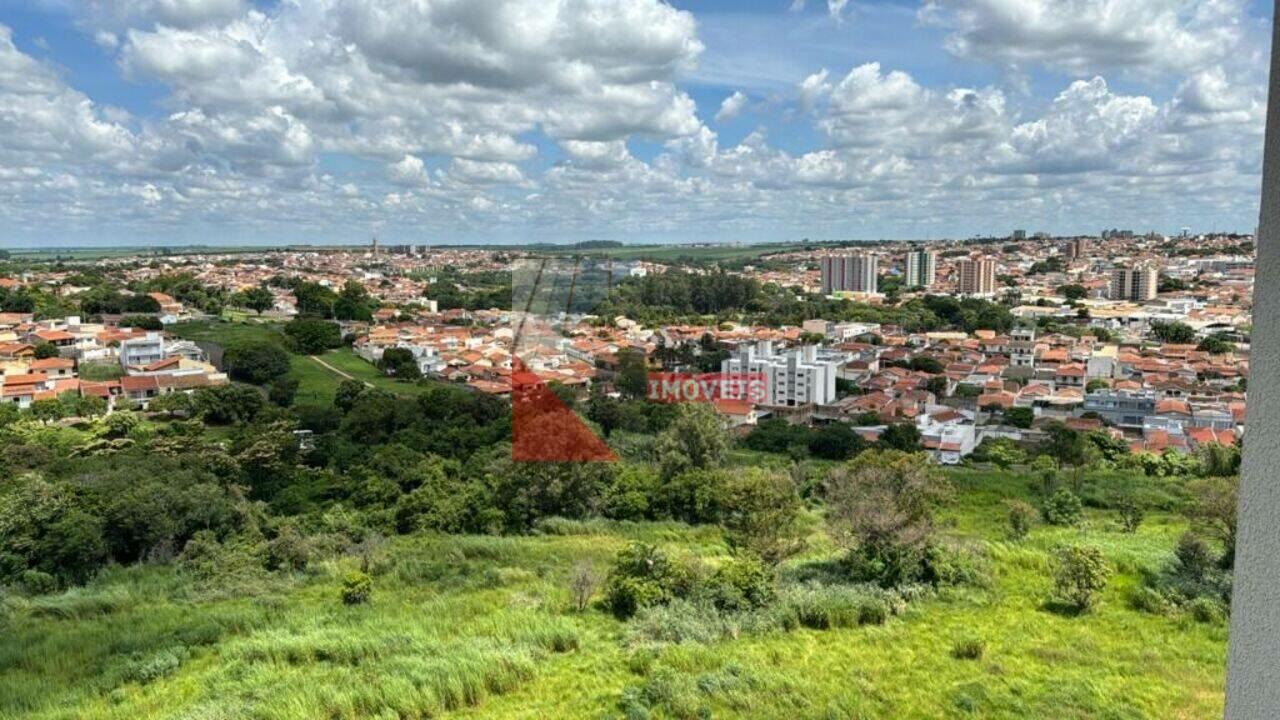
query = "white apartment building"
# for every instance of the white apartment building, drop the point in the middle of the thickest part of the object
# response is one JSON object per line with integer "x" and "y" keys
{"x": 850, "y": 273}
{"x": 801, "y": 376}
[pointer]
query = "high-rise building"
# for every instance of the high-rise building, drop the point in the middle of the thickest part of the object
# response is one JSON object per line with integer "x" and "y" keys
{"x": 1138, "y": 283}
{"x": 1018, "y": 235}
{"x": 1077, "y": 249}
{"x": 922, "y": 268}
{"x": 975, "y": 277}
{"x": 850, "y": 273}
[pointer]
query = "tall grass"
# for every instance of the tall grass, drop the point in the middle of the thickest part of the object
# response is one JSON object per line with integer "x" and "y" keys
{"x": 479, "y": 626}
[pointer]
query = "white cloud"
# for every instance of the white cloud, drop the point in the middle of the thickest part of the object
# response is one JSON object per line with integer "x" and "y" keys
{"x": 409, "y": 170}
{"x": 42, "y": 120}
{"x": 328, "y": 117}
{"x": 1088, "y": 36}
{"x": 1086, "y": 128}
{"x": 117, "y": 14}
{"x": 731, "y": 106}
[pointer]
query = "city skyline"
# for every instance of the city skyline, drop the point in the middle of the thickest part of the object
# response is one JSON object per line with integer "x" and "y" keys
{"x": 157, "y": 122}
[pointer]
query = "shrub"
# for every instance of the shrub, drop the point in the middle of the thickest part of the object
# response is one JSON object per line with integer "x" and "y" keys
{"x": 1080, "y": 573}
{"x": 761, "y": 515}
{"x": 1206, "y": 610}
{"x": 1062, "y": 508}
{"x": 880, "y": 509}
{"x": 968, "y": 649}
{"x": 680, "y": 621}
{"x": 641, "y": 576}
{"x": 1131, "y": 515}
{"x": 1021, "y": 517}
{"x": 1151, "y": 600}
{"x": 155, "y": 667}
{"x": 35, "y": 582}
{"x": 289, "y": 549}
{"x": 357, "y": 588}
{"x": 822, "y": 607}
{"x": 743, "y": 583}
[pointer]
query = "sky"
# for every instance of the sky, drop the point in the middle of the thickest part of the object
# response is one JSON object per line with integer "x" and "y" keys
{"x": 171, "y": 122}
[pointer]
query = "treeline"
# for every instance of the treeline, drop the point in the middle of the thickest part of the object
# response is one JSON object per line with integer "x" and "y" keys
{"x": 677, "y": 294}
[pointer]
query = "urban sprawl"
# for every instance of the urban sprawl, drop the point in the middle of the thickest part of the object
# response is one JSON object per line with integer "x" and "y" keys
{"x": 1142, "y": 337}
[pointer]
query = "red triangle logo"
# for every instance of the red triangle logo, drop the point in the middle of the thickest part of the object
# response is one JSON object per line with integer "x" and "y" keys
{"x": 543, "y": 429}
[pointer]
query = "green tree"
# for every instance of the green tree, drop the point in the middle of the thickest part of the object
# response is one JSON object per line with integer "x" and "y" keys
{"x": 314, "y": 299}
{"x": 1212, "y": 507}
{"x": 282, "y": 390}
{"x": 44, "y": 350}
{"x": 1173, "y": 332}
{"x": 1020, "y": 417}
{"x": 836, "y": 441}
{"x": 312, "y": 336}
{"x": 1216, "y": 345}
{"x": 1096, "y": 384}
{"x": 400, "y": 363}
{"x": 257, "y": 363}
{"x": 643, "y": 576}
{"x": 901, "y": 436}
{"x": 1021, "y": 517}
{"x": 1073, "y": 292}
{"x": 633, "y": 373}
{"x": 346, "y": 394}
{"x": 761, "y": 516}
{"x": 353, "y": 303}
{"x": 604, "y": 411}
{"x": 231, "y": 403}
{"x": 695, "y": 440}
{"x": 1003, "y": 453}
{"x": 1131, "y": 514}
{"x": 257, "y": 299}
{"x": 880, "y": 510}
{"x": 1080, "y": 573}
{"x": 1065, "y": 445}
{"x": 937, "y": 386}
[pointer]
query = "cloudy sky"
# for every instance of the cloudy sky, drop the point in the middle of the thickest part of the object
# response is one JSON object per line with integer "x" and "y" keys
{"x": 269, "y": 121}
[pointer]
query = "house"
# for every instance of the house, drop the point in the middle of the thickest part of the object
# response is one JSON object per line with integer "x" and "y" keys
{"x": 57, "y": 367}
{"x": 947, "y": 434}
{"x": 1122, "y": 408}
{"x": 22, "y": 390}
{"x": 143, "y": 350}
{"x": 60, "y": 339}
{"x": 738, "y": 412}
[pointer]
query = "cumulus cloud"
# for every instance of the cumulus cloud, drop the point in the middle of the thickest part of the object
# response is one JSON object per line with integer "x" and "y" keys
{"x": 409, "y": 170}
{"x": 731, "y": 106}
{"x": 489, "y": 117}
{"x": 1089, "y": 36}
{"x": 42, "y": 120}
{"x": 117, "y": 14}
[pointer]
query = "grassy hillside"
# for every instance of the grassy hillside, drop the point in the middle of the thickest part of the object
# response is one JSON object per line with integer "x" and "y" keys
{"x": 316, "y": 382}
{"x": 479, "y": 626}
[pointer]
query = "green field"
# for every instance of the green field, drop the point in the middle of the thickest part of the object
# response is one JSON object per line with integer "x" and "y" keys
{"x": 316, "y": 383}
{"x": 481, "y": 626}
{"x": 673, "y": 253}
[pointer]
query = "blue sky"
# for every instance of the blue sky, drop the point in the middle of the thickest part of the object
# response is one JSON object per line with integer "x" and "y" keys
{"x": 184, "y": 121}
